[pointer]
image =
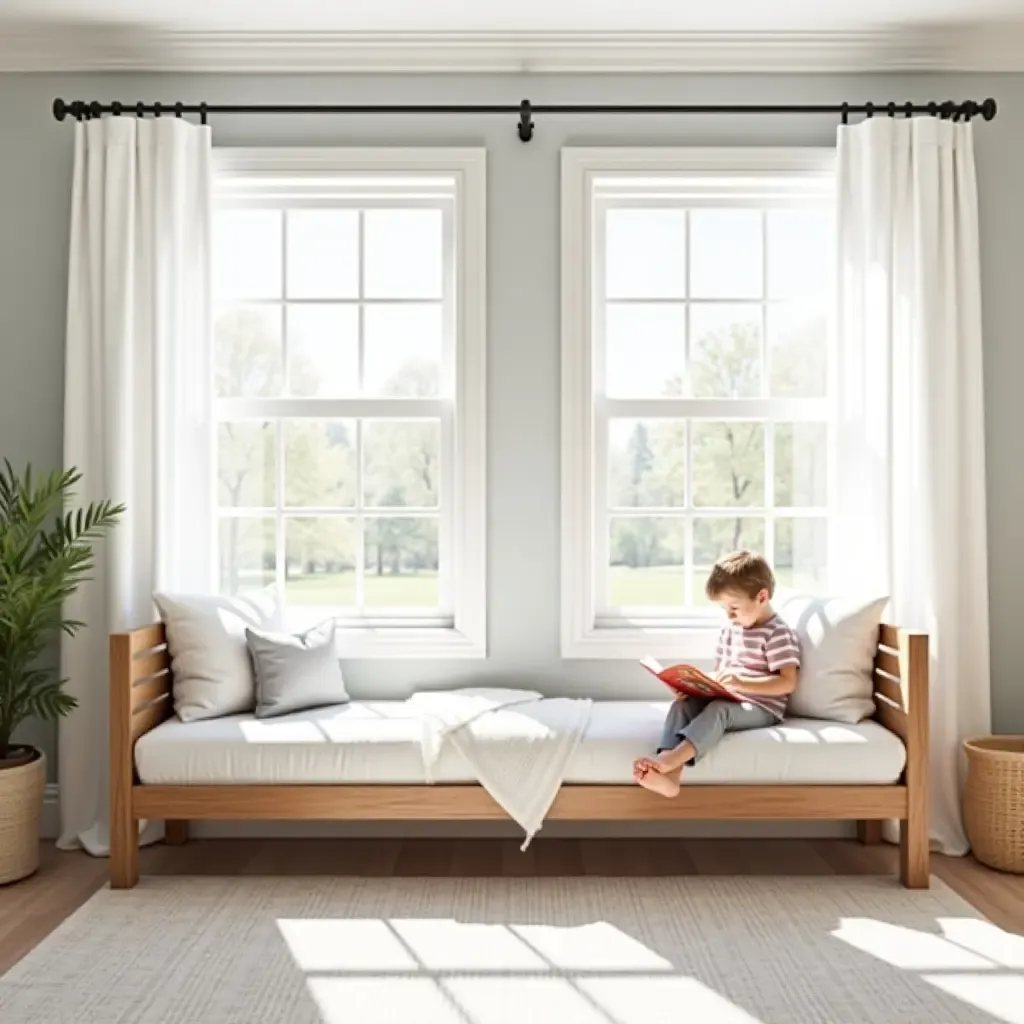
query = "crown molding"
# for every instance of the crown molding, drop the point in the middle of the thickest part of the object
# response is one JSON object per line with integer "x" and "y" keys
{"x": 988, "y": 49}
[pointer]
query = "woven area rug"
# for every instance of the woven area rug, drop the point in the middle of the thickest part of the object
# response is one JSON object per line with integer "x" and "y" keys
{"x": 501, "y": 950}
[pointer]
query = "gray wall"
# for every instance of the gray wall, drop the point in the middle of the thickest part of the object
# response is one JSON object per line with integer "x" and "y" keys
{"x": 523, "y": 282}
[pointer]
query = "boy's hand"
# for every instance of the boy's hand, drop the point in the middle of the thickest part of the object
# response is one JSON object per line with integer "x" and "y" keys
{"x": 731, "y": 683}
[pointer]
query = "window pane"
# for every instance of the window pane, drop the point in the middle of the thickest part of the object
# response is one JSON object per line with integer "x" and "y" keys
{"x": 646, "y": 463}
{"x": 800, "y": 464}
{"x": 401, "y": 463}
{"x": 725, "y": 356}
{"x": 645, "y": 350}
{"x": 646, "y": 556}
{"x": 323, "y": 350}
{"x": 715, "y": 537}
{"x": 319, "y": 463}
{"x": 323, "y": 254}
{"x": 402, "y": 355}
{"x": 725, "y": 254}
{"x": 247, "y": 351}
{"x": 645, "y": 254}
{"x": 401, "y": 562}
{"x": 246, "y": 553}
{"x": 320, "y": 563}
{"x": 247, "y": 254}
{"x": 728, "y": 464}
{"x": 798, "y": 351}
{"x": 799, "y": 254}
{"x": 404, "y": 254}
{"x": 801, "y": 554}
{"x": 247, "y": 464}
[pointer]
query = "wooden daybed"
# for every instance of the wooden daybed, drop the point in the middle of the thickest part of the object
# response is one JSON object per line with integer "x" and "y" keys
{"x": 140, "y": 700}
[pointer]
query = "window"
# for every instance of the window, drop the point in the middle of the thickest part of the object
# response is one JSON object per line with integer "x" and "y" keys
{"x": 696, "y": 385}
{"x": 349, "y": 379}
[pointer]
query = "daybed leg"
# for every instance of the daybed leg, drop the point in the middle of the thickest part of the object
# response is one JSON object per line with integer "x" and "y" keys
{"x": 869, "y": 832}
{"x": 915, "y": 868}
{"x": 124, "y": 829}
{"x": 176, "y": 831}
{"x": 124, "y": 850}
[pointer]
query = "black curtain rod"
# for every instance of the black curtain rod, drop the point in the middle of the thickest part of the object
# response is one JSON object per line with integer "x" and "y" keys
{"x": 953, "y": 109}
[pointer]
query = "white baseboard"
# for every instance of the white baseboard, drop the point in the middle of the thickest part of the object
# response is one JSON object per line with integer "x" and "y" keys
{"x": 50, "y": 828}
{"x": 49, "y": 823}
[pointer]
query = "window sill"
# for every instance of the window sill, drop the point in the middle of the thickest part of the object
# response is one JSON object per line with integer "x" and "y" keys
{"x": 405, "y": 643}
{"x": 663, "y": 642}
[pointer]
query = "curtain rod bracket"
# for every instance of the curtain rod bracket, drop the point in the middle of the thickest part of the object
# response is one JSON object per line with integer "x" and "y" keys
{"x": 525, "y": 121}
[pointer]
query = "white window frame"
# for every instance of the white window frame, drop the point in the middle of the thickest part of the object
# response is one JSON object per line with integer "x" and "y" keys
{"x": 463, "y": 633}
{"x": 585, "y": 633}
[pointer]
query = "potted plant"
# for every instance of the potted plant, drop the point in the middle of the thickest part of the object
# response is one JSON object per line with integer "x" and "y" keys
{"x": 45, "y": 554}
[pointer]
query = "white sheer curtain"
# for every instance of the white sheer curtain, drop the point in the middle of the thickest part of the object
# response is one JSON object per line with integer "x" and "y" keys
{"x": 136, "y": 407}
{"x": 911, "y": 487}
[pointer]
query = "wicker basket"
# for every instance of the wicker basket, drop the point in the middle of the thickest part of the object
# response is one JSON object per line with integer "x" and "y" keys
{"x": 21, "y": 803}
{"x": 994, "y": 801}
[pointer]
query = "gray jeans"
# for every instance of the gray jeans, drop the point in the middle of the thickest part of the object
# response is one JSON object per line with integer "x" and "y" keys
{"x": 703, "y": 722}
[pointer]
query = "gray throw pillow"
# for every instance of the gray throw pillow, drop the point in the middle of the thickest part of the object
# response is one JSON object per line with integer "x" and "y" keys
{"x": 294, "y": 673}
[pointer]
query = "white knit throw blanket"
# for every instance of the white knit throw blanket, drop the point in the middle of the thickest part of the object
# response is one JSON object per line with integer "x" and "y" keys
{"x": 515, "y": 742}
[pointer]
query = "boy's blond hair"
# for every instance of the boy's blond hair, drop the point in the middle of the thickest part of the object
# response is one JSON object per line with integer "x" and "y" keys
{"x": 741, "y": 572}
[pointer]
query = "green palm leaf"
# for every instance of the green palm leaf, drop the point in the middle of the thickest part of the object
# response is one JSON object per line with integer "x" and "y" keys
{"x": 46, "y": 553}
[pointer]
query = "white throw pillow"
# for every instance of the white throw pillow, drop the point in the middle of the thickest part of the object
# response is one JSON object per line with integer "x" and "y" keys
{"x": 210, "y": 662}
{"x": 838, "y": 641}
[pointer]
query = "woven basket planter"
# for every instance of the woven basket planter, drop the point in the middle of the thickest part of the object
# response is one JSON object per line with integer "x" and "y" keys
{"x": 994, "y": 801}
{"x": 21, "y": 803}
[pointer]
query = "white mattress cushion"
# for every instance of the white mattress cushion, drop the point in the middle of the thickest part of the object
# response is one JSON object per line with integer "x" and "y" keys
{"x": 379, "y": 742}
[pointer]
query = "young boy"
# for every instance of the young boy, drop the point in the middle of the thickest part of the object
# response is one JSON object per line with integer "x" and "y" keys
{"x": 758, "y": 655}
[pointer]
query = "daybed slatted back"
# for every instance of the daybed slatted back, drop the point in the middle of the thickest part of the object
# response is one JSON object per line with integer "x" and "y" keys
{"x": 140, "y": 689}
{"x": 901, "y": 681}
{"x": 141, "y": 698}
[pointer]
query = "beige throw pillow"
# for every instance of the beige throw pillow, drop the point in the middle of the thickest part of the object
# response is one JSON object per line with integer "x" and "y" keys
{"x": 838, "y": 641}
{"x": 210, "y": 663}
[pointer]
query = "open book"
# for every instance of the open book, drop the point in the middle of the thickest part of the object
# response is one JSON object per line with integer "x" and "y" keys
{"x": 690, "y": 680}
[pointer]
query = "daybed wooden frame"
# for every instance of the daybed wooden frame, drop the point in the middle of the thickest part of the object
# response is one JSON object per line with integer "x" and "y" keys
{"x": 140, "y": 699}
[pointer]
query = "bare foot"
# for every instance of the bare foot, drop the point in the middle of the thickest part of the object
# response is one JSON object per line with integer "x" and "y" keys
{"x": 643, "y": 765}
{"x": 670, "y": 760}
{"x": 656, "y": 782}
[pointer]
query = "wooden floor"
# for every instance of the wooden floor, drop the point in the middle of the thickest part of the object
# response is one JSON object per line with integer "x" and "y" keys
{"x": 29, "y": 910}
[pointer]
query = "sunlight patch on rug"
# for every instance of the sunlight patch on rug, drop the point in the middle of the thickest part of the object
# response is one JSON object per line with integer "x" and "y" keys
{"x": 502, "y": 950}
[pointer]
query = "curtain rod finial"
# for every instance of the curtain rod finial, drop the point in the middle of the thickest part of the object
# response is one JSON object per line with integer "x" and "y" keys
{"x": 988, "y": 109}
{"x": 60, "y": 109}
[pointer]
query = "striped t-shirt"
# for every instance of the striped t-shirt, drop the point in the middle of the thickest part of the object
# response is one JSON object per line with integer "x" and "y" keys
{"x": 760, "y": 651}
